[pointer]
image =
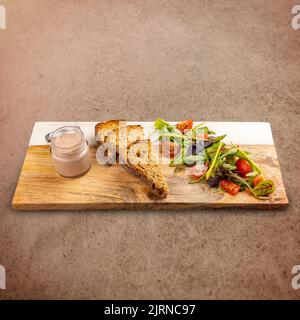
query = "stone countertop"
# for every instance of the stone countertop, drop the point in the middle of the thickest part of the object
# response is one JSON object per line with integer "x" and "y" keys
{"x": 90, "y": 60}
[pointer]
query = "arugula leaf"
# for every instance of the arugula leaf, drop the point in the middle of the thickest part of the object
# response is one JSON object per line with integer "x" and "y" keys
{"x": 160, "y": 124}
{"x": 216, "y": 139}
{"x": 231, "y": 152}
{"x": 228, "y": 166}
{"x": 211, "y": 150}
{"x": 197, "y": 130}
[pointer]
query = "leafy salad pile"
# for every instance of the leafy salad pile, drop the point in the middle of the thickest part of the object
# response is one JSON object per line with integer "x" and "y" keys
{"x": 210, "y": 160}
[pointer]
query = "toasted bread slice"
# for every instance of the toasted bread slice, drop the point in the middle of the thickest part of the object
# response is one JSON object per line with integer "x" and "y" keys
{"x": 141, "y": 163}
{"x": 134, "y": 153}
{"x": 114, "y": 130}
{"x": 115, "y": 136}
{"x": 104, "y": 129}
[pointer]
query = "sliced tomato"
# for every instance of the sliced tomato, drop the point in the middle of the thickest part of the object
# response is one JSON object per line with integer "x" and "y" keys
{"x": 243, "y": 167}
{"x": 169, "y": 149}
{"x": 202, "y": 136}
{"x": 184, "y": 125}
{"x": 198, "y": 170}
{"x": 257, "y": 180}
{"x": 230, "y": 187}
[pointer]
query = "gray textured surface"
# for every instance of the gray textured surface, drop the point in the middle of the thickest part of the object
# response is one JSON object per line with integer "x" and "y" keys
{"x": 90, "y": 60}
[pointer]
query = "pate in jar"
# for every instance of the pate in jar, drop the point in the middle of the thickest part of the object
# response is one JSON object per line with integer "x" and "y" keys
{"x": 70, "y": 151}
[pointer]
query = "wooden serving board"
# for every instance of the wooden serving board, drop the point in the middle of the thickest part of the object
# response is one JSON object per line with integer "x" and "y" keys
{"x": 41, "y": 188}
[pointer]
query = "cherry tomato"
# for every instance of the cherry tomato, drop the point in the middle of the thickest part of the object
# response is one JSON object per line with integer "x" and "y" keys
{"x": 198, "y": 170}
{"x": 202, "y": 136}
{"x": 169, "y": 149}
{"x": 230, "y": 187}
{"x": 184, "y": 125}
{"x": 243, "y": 167}
{"x": 257, "y": 180}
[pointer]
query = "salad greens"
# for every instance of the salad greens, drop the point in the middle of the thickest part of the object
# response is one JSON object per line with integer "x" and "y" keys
{"x": 210, "y": 160}
{"x": 215, "y": 161}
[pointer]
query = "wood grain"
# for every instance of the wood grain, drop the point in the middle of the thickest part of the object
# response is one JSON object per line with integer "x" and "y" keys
{"x": 41, "y": 188}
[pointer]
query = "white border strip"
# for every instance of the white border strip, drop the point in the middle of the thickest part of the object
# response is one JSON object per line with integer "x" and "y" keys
{"x": 256, "y": 133}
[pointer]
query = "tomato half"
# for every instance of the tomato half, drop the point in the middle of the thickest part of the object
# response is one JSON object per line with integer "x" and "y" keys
{"x": 257, "y": 180}
{"x": 230, "y": 187}
{"x": 184, "y": 125}
{"x": 243, "y": 167}
{"x": 169, "y": 149}
{"x": 198, "y": 170}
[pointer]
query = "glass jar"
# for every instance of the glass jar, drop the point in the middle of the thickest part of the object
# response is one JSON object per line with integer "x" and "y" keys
{"x": 70, "y": 151}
